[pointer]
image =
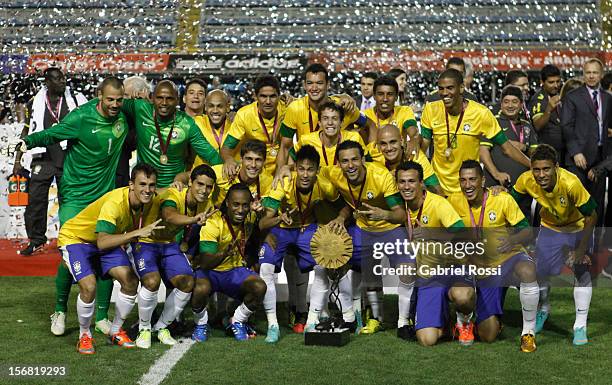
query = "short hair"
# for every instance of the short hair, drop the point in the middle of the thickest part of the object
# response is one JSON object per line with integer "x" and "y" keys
{"x": 594, "y": 60}
{"x": 511, "y": 90}
{"x": 606, "y": 81}
{"x": 145, "y": 168}
{"x": 396, "y": 72}
{"x": 308, "y": 152}
{"x": 331, "y": 105}
{"x": 240, "y": 186}
{"x": 197, "y": 81}
{"x": 471, "y": 164}
{"x": 514, "y": 75}
{"x": 347, "y": 145}
{"x": 452, "y": 73}
{"x": 266, "y": 81}
{"x": 410, "y": 165}
{"x": 166, "y": 83}
{"x": 205, "y": 170}
{"x": 456, "y": 61}
{"x": 315, "y": 68}
{"x": 254, "y": 145}
{"x": 549, "y": 70}
{"x": 570, "y": 85}
{"x": 545, "y": 152}
{"x": 370, "y": 75}
{"x": 138, "y": 83}
{"x": 386, "y": 81}
{"x": 112, "y": 81}
{"x": 47, "y": 73}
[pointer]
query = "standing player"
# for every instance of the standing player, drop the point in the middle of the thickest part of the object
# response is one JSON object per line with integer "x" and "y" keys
{"x": 222, "y": 262}
{"x": 456, "y": 125}
{"x": 290, "y": 213}
{"x": 423, "y": 210}
{"x": 159, "y": 255}
{"x": 194, "y": 98}
{"x": 214, "y": 125}
{"x": 96, "y": 131}
{"x": 259, "y": 120}
{"x": 493, "y": 215}
{"x": 568, "y": 218}
{"x": 93, "y": 241}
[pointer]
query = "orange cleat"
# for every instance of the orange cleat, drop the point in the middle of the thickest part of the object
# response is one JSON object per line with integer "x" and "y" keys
{"x": 465, "y": 333}
{"x": 86, "y": 345}
{"x": 122, "y": 339}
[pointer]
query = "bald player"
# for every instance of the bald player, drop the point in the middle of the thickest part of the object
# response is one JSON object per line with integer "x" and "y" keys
{"x": 214, "y": 125}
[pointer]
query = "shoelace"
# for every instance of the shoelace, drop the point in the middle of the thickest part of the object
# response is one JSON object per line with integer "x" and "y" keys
{"x": 86, "y": 342}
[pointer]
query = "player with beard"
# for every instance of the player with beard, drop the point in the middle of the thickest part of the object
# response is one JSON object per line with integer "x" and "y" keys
{"x": 195, "y": 97}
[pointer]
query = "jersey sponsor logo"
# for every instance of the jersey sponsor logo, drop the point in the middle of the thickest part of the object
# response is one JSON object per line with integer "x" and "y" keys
{"x": 424, "y": 219}
{"x": 492, "y": 216}
{"x": 370, "y": 195}
{"x": 76, "y": 267}
{"x": 467, "y": 127}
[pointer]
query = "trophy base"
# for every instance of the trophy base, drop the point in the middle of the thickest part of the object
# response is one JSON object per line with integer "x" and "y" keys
{"x": 336, "y": 337}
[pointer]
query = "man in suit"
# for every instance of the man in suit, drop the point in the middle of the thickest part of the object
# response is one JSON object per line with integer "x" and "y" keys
{"x": 366, "y": 87}
{"x": 585, "y": 117}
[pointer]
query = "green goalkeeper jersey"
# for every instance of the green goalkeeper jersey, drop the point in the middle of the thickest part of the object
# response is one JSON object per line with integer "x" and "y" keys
{"x": 95, "y": 144}
{"x": 184, "y": 133}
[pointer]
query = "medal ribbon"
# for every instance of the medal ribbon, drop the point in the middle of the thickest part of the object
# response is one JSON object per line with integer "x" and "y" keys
{"x": 357, "y": 203}
{"x": 481, "y": 216}
{"x": 242, "y": 241}
{"x": 448, "y": 137}
{"x": 520, "y": 133}
{"x": 303, "y": 214}
{"x": 163, "y": 146}
{"x": 188, "y": 228}
{"x": 58, "y": 108}
{"x": 418, "y": 218}
{"x": 139, "y": 220}
{"x": 258, "y": 185}
{"x": 325, "y": 152}
{"x": 265, "y": 130}
{"x": 218, "y": 138}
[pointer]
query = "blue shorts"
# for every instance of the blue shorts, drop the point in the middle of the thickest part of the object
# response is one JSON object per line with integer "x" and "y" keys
{"x": 285, "y": 238}
{"x": 226, "y": 282}
{"x": 368, "y": 248}
{"x": 153, "y": 257}
{"x": 432, "y": 307}
{"x": 506, "y": 277}
{"x": 84, "y": 259}
{"x": 551, "y": 247}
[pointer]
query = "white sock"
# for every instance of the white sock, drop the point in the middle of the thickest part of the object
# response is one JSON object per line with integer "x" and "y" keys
{"x": 200, "y": 317}
{"x": 318, "y": 292}
{"x": 147, "y": 301}
{"x": 242, "y": 313}
{"x": 544, "y": 304}
{"x": 266, "y": 272}
{"x": 529, "y": 295}
{"x": 463, "y": 319}
{"x": 356, "y": 283}
{"x": 582, "y": 300}
{"x": 345, "y": 296}
{"x": 175, "y": 303}
{"x": 123, "y": 307}
{"x": 404, "y": 293}
{"x": 301, "y": 289}
{"x": 85, "y": 313}
{"x": 375, "y": 301}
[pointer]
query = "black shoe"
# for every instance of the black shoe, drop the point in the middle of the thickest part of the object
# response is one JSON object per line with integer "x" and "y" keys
{"x": 407, "y": 333}
{"x": 31, "y": 249}
{"x": 352, "y": 326}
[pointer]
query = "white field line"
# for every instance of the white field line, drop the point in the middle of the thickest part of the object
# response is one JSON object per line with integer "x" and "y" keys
{"x": 164, "y": 364}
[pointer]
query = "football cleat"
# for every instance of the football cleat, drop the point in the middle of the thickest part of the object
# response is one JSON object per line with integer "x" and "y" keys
{"x": 407, "y": 333}
{"x": 164, "y": 336}
{"x": 200, "y": 333}
{"x": 372, "y": 326}
{"x": 299, "y": 323}
{"x": 104, "y": 326}
{"x": 273, "y": 334}
{"x": 31, "y": 249}
{"x": 465, "y": 333}
{"x": 359, "y": 319}
{"x": 58, "y": 323}
{"x": 143, "y": 340}
{"x": 122, "y": 339}
{"x": 528, "y": 343}
{"x": 239, "y": 330}
{"x": 541, "y": 317}
{"x": 310, "y": 328}
{"x": 86, "y": 345}
{"x": 580, "y": 336}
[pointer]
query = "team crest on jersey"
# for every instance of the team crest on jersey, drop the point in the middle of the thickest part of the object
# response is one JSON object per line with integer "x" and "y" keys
{"x": 562, "y": 201}
{"x": 467, "y": 127}
{"x": 118, "y": 128}
{"x": 174, "y": 134}
{"x": 370, "y": 195}
{"x": 141, "y": 264}
{"x": 492, "y": 216}
{"x": 262, "y": 251}
{"x": 76, "y": 267}
{"x": 424, "y": 219}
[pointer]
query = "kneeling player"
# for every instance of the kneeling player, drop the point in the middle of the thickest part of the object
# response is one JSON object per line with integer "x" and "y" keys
{"x": 92, "y": 243}
{"x": 495, "y": 213}
{"x": 160, "y": 256}
{"x": 290, "y": 213}
{"x": 222, "y": 261}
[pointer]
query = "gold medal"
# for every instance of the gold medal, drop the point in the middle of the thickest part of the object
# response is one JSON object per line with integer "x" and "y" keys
{"x": 448, "y": 152}
{"x": 273, "y": 152}
{"x": 163, "y": 159}
{"x": 184, "y": 247}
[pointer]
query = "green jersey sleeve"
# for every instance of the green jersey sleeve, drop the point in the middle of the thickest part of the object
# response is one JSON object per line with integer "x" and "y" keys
{"x": 202, "y": 147}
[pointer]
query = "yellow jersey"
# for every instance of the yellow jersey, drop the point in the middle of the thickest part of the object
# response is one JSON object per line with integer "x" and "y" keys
{"x": 287, "y": 198}
{"x": 170, "y": 198}
{"x": 259, "y": 189}
{"x": 564, "y": 208}
{"x": 501, "y": 212}
{"x": 300, "y": 119}
{"x": 216, "y": 237}
{"x": 215, "y": 139}
{"x": 429, "y": 176}
{"x": 247, "y": 125}
{"x": 328, "y": 156}
{"x": 402, "y": 117}
{"x": 378, "y": 189}
{"x": 464, "y": 138}
{"x": 110, "y": 214}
